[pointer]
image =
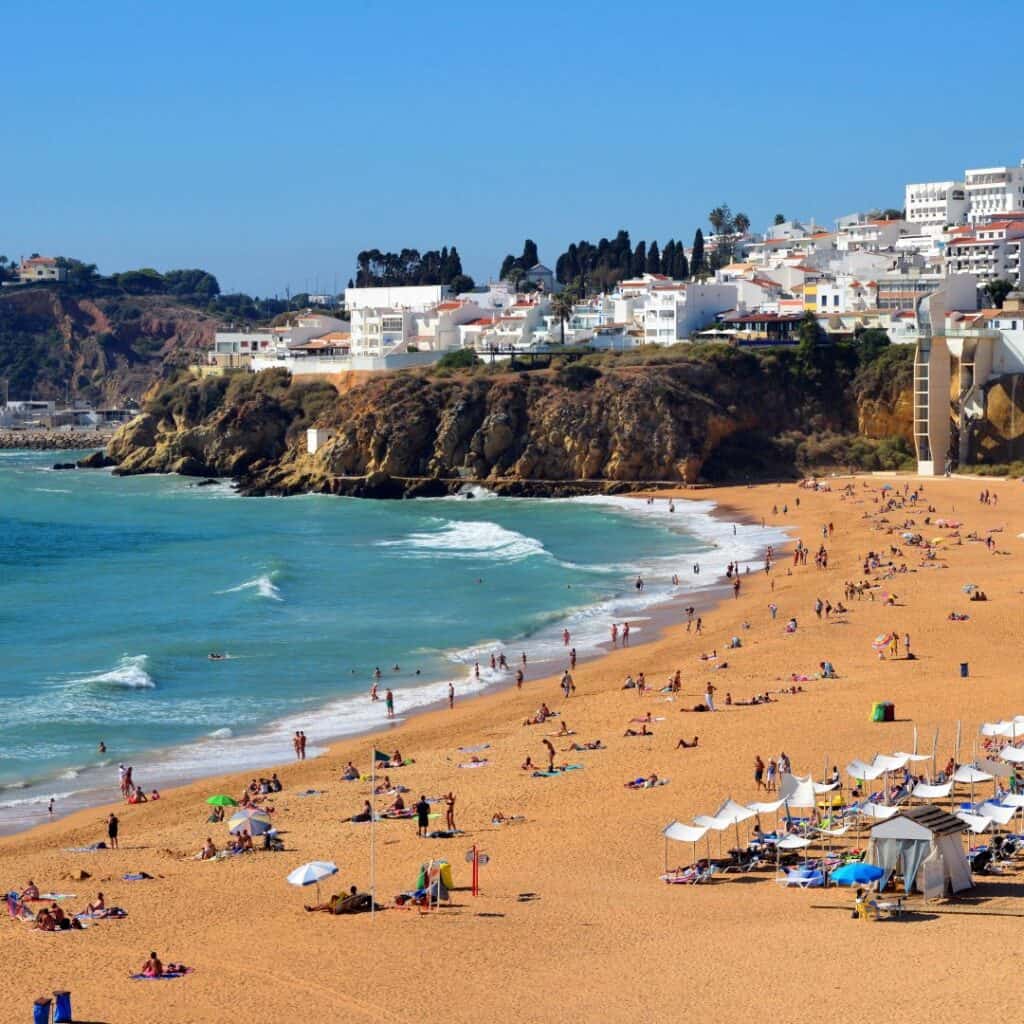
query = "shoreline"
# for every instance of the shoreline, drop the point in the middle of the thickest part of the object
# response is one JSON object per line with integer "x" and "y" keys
{"x": 657, "y": 619}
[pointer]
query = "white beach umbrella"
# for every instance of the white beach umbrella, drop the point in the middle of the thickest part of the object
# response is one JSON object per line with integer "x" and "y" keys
{"x": 312, "y": 873}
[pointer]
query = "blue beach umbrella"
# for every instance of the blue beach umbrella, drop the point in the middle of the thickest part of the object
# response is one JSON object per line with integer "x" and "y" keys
{"x": 857, "y": 873}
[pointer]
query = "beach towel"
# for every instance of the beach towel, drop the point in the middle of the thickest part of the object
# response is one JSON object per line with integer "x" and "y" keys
{"x": 55, "y": 896}
{"x": 475, "y": 749}
{"x": 136, "y": 877}
{"x": 312, "y": 792}
{"x": 475, "y": 764}
{"x": 166, "y": 976}
{"x": 110, "y": 913}
{"x": 93, "y": 848}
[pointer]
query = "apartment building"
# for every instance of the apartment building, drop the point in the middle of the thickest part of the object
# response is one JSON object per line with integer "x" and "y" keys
{"x": 991, "y": 251}
{"x": 992, "y": 191}
{"x": 936, "y": 204}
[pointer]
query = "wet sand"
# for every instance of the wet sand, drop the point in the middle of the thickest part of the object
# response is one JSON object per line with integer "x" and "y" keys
{"x": 604, "y": 937}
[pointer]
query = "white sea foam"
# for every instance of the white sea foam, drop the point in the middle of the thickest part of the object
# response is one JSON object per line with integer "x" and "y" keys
{"x": 262, "y": 585}
{"x": 220, "y": 734}
{"x": 129, "y": 673}
{"x": 71, "y": 773}
{"x": 40, "y": 799}
{"x": 51, "y": 490}
{"x": 468, "y": 540}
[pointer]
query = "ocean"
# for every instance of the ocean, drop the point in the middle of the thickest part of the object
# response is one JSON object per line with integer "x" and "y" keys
{"x": 114, "y": 591}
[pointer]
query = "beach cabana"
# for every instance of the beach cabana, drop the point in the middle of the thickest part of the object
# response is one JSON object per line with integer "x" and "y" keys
{"x": 683, "y": 833}
{"x": 924, "y": 842}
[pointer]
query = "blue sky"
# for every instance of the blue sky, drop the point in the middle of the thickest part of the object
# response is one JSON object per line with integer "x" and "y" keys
{"x": 270, "y": 146}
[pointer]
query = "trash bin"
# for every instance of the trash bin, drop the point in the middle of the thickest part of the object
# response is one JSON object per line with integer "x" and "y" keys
{"x": 41, "y": 1010}
{"x": 963, "y": 669}
{"x": 62, "y": 1008}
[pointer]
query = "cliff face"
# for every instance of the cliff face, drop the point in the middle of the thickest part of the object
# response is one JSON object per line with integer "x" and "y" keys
{"x": 53, "y": 345}
{"x": 539, "y": 432}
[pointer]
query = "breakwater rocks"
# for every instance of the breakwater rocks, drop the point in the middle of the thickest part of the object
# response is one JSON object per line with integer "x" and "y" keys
{"x": 53, "y": 440}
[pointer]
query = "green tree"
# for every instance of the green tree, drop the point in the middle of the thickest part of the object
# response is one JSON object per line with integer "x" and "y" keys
{"x": 80, "y": 276}
{"x": 561, "y": 306}
{"x": 997, "y": 291}
{"x": 720, "y": 219}
{"x": 653, "y": 265}
{"x": 741, "y": 222}
{"x": 458, "y": 359}
{"x": 780, "y": 218}
{"x": 530, "y": 258}
{"x": 870, "y": 344}
{"x": 697, "y": 255}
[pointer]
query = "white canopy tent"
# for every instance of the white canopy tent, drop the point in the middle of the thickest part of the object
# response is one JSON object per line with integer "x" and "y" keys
{"x": 862, "y": 771}
{"x": 880, "y": 812}
{"x": 682, "y": 833}
{"x": 1014, "y": 754}
{"x": 977, "y": 823}
{"x": 925, "y": 843}
{"x": 923, "y": 791}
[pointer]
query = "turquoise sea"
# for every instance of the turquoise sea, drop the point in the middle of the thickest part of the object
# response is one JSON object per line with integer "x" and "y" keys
{"x": 114, "y": 591}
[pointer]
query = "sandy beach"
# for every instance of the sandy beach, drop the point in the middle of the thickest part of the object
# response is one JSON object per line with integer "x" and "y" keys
{"x": 603, "y": 936}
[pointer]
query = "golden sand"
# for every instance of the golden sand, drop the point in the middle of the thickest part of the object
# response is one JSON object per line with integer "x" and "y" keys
{"x": 604, "y": 939}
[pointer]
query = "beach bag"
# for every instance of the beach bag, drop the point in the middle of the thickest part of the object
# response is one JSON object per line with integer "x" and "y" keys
{"x": 62, "y": 1008}
{"x": 41, "y": 1010}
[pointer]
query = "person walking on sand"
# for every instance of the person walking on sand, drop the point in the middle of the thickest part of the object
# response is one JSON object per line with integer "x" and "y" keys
{"x": 112, "y": 828}
{"x": 759, "y": 771}
{"x": 709, "y": 695}
{"x": 295, "y": 744}
{"x": 451, "y": 696}
{"x": 625, "y": 634}
{"x": 302, "y": 746}
{"x": 773, "y": 769}
{"x": 615, "y": 635}
{"x": 572, "y": 660}
{"x": 449, "y": 817}
{"x": 519, "y": 678}
{"x": 389, "y": 703}
{"x": 700, "y": 626}
{"x": 422, "y": 816}
{"x": 906, "y": 646}
{"x": 773, "y": 610}
{"x": 736, "y": 587}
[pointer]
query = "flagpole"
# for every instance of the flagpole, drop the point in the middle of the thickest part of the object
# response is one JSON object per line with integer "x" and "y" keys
{"x": 373, "y": 829}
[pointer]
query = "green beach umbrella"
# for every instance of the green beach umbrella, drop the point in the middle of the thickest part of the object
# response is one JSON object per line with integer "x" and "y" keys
{"x": 222, "y": 800}
{"x": 379, "y": 755}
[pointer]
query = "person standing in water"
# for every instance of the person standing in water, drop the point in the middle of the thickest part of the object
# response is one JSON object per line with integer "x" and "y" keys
{"x": 389, "y": 701}
{"x": 451, "y": 696}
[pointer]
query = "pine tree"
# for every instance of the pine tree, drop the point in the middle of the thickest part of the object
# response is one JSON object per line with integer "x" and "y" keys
{"x": 697, "y": 255}
{"x": 529, "y": 258}
{"x": 682, "y": 268}
{"x": 639, "y": 259}
{"x": 653, "y": 259}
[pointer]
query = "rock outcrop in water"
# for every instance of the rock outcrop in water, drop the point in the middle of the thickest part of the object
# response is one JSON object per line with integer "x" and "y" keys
{"x": 715, "y": 410}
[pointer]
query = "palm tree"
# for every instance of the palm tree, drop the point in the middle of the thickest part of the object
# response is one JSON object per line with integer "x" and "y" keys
{"x": 720, "y": 219}
{"x": 561, "y": 306}
{"x": 741, "y": 222}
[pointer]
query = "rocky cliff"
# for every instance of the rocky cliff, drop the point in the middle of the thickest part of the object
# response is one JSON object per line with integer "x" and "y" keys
{"x": 102, "y": 350}
{"x": 713, "y": 411}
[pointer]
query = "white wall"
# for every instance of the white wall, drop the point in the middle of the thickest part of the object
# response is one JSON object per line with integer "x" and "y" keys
{"x": 417, "y": 297}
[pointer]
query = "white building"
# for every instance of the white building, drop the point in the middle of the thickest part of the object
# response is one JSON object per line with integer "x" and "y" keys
{"x": 416, "y": 298}
{"x": 936, "y": 204}
{"x": 38, "y": 269}
{"x": 675, "y": 311}
{"x": 992, "y": 251}
{"x": 992, "y": 191}
{"x": 236, "y": 348}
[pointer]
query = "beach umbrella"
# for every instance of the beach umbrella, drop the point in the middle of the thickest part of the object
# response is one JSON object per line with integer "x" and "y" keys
{"x": 222, "y": 800}
{"x": 881, "y": 641}
{"x": 312, "y": 873}
{"x": 256, "y": 821}
{"x": 857, "y": 874}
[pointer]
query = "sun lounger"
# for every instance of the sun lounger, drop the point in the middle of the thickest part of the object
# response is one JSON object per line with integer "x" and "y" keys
{"x": 802, "y": 879}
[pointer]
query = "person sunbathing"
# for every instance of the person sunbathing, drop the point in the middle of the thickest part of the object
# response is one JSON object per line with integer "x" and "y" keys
{"x": 30, "y": 892}
{"x": 351, "y": 773}
{"x": 648, "y": 783}
{"x": 152, "y": 968}
{"x": 687, "y": 746}
{"x": 97, "y": 905}
{"x": 564, "y": 730}
{"x": 45, "y": 922}
{"x": 396, "y": 760}
{"x": 528, "y": 765}
{"x": 384, "y": 786}
{"x": 209, "y": 850}
{"x": 642, "y": 731}
{"x": 325, "y": 908}
{"x": 592, "y": 745}
{"x": 366, "y": 814}
{"x": 398, "y": 805}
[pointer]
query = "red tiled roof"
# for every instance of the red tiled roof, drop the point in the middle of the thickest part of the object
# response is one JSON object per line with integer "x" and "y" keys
{"x": 445, "y": 307}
